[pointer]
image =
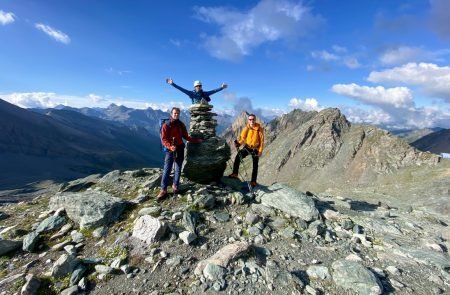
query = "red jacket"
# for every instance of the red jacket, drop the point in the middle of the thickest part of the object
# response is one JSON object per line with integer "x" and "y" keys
{"x": 174, "y": 134}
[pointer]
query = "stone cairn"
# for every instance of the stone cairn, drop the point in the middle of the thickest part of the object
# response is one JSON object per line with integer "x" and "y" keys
{"x": 207, "y": 161}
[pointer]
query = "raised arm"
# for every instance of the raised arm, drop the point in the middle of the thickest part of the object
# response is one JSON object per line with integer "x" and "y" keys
{"x": 211, "y": 92}
{"x": 185, "y": 91}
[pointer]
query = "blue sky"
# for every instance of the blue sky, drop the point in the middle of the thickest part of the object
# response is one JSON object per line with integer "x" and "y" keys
{"x": 381, "y": 62}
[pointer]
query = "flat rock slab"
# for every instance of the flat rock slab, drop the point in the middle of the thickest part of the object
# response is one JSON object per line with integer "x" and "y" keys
{"x": 89, "y": 209}
{"x": 223, "y": 256}
{"x": 290, "y": 201}
{"x": 355, "y": 276}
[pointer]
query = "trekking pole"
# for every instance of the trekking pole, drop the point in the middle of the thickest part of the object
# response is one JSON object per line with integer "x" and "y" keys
{"x": 245, "y": 171}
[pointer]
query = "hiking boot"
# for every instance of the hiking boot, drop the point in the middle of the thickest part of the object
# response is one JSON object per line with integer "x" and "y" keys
{"x": 162, "y": 195}
{"x": 174, "y": 189}
{"x": 233, "y": 175}
{"x": 253, "y": 183}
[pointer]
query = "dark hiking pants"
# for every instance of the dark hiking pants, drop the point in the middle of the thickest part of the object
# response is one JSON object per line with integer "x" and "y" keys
{"x": 169, "y": 158}
{"x": 241, "y": 155}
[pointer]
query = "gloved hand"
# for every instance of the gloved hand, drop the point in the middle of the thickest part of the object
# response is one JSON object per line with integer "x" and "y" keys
{"x": 173, "y": 148}
{"x": 236, "y": 143}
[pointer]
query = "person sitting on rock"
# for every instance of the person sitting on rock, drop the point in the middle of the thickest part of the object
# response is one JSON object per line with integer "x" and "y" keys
{"x": 197, "y": 95}
{"x": 253, "y": 138}
{"x": 172, "y": 134}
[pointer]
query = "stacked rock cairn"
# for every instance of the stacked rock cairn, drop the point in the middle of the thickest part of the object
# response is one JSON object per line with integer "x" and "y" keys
{"x": 205, "y": 162}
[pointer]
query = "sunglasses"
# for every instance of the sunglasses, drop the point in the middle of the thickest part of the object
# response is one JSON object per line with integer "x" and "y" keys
{"x": 251, "y": 119}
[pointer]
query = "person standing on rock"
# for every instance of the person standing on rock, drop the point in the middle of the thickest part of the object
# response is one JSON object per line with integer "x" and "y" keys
{"x": 172, "y": 134}
{"x": 253, "y": 139}
{"x": 197, "y": 95}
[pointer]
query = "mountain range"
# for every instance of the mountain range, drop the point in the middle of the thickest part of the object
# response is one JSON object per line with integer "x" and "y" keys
{"x": 64, "y": 144}
{"x": 309, "y": 150}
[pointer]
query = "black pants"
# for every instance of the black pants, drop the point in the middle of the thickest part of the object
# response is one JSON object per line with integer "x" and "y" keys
{"x": 244, "y": 153}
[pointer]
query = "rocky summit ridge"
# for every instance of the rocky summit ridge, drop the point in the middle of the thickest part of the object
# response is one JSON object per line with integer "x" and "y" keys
{"x": 106, "y": 234}
{"x": 323, "y": 152}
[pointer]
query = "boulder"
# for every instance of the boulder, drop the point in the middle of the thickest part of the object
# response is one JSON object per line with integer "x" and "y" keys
{"x": 89, "y": 209}
{"x": 51, "y": 223}
{"x": 64, "y": 265}
{"x": 290, "y": 201}
{"x": 149, "y": 229}
{"x": 353, "y": 275}
{"x": 8, "y": 246}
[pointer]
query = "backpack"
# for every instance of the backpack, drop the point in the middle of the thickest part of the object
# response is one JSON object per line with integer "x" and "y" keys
{"x": 161, "y": 123}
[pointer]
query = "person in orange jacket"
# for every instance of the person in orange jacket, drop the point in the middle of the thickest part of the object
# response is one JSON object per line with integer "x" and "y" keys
{"x": 253, "y": 139}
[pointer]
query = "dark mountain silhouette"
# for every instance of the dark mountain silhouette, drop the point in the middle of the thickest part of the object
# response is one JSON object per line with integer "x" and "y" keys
{"x": 436, "y": 142}
{"x": 411, "y": 135}
{"x": 63, "y": 144}
{"x": 147, "y": 118}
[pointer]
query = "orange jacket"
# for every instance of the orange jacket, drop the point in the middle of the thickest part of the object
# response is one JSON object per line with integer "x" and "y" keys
{"x": 253, "y": 137}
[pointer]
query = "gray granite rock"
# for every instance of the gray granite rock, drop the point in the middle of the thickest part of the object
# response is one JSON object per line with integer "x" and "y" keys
{"x": 187, "y": 237}
{"x": 318, "y": 272}
{"x": 290, "y": 201}
{"x": 9, "y": 246}
{"x": 77, "y": 274}
{"x": 353, "y": 275}
{"x": 152, "y": 211}
{"x": 89, "y": 209}
{"x": 51, "y": 223}
{"x": 31, "y": 285}
{"x": 149, "y": 229}
{"x": 64, "y": 265}
{"x": 30, "y": 241}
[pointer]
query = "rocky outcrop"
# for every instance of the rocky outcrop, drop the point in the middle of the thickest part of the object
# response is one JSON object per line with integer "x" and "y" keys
{"x": 89, "y": 209}
{"x": 205, "y": 162}
{"x": 320, "y": 150}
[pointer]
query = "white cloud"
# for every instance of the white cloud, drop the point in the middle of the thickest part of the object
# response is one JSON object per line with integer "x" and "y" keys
{"x": 424, "y": 117}
{"x": 339, "y": 49}
{"x": 6, "y": 17}
{"x": 31, "y": 99}
{"x": 440, "y": 18}
{"x": 308, "y": 104}
{"x": 392, "y": 108}
{"x": 406, "y": 54}
{"x": 400, "y": 55}
{"x": 340, "y": 57}
{"x": 117, "y": 72}
{"x": 324, "y": 55}
{"x": 268, "y": 21}
{"x": 431, "y": 78}
{"x": 351, "y": 62}
{"x": 55, "y": 34}
{"x": 51, "y": 99}
{"x": 398, "y": 97}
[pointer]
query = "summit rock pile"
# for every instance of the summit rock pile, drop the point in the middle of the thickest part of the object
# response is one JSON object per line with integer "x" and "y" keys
{"x": 205, "y": 162}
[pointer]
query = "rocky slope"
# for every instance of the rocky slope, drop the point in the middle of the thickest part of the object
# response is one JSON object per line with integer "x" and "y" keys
{"x": 107, "y": 235}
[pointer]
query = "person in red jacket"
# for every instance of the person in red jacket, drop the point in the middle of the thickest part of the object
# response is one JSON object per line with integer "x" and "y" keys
{"x": 172, "y": 134}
